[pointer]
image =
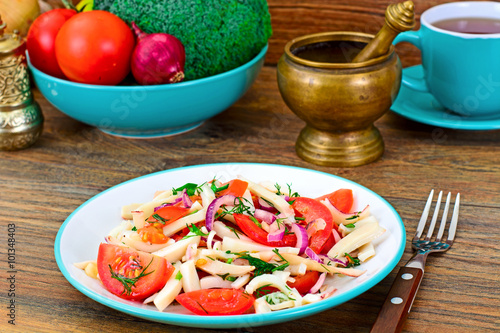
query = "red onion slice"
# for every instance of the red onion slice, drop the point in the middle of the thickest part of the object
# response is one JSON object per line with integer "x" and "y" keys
{"x": 318, "y": 284}
{"x": 214, "y": 206}
{"x": 176, "y": 201}
{"x": 264, "y": 205}
{"x": 315, "y": 226}
{"x": 186, "y": 201}
{"x": 302, "y": 239}
{"x": 336, "y": 235}
{"x": 276, "y": 233}
{"x": 311, "y": 254}
{"x": 335, "y": 260}
{"x": 265, "y": 216}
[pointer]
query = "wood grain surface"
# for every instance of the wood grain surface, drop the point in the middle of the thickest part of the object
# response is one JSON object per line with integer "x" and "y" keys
{"x": 71, "y": 162}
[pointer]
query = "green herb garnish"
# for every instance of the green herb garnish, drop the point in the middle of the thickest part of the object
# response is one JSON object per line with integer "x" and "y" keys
{"x": 127, "y": 282}
{"x": 290, "y": 194}
{"x": 352, "y": 261}
{"x": 354, "y": 216}
{"x": 190, "y": 188}
{"x": 262, "y": 267}
{"x": 159, "y": 218}
{"x": 178, "y": 276}
{"x": 254, "y": 220}
{"x": 218, "y": 189}
{"x": 278, "y": 188}
{"x": 350, "y": 225}
{"x": 195, "y": 230}
{"x": 134, "y": 228}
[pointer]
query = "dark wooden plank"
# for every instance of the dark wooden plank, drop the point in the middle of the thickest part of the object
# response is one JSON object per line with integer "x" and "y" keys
{"x": 72, "y": 162}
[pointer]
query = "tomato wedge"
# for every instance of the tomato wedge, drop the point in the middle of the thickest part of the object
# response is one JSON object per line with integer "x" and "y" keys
{"x": 152, "y": 234}
{"x": 259, "y": 235}
{"x": 311, "y": 210}
{"x": 330, "y": 242}
{"x": 342, "y": 199}
{"x": 236, "y": 187}
{"x": 304, "y": 283}
{"x": 168, "y": 214}
{"x": 215, "y": 302}
{"x": 131, "y": 274}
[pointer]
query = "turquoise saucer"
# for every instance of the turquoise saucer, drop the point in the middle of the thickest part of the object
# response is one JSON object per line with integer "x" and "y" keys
{"x": 424, "y": 108}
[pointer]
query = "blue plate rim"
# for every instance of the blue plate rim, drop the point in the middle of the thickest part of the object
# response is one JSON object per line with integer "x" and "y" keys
{"x": 235, "y": 321}
{"x": 456, "y": 122}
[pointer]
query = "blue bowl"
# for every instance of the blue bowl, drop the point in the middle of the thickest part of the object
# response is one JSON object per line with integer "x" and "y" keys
{"x": 149, "y": 111}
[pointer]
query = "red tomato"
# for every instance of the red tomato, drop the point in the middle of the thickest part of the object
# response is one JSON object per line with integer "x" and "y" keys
{"x": 167, "y": 215}
{"x": 236, "y": 187}
{"x": 304, "y": 283}
{"x": 41, "y": 40}
{"x": 95, "y": 47}
{"x": 311, "y": 210}
{"x": 131, "y": 274}
{"x": 152, "y": 234}
{"x": 342, "y": 199}
{"x": 223, "y": 301}
{"x": 259, "y": 235}
{"x": 330, "y": 242}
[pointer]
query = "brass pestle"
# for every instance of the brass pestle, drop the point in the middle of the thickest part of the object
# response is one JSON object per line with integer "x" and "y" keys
{"x": 398, "y": 18}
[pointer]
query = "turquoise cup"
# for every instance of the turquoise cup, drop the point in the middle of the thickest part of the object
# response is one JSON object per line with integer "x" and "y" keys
{"x": 461, "y": 70}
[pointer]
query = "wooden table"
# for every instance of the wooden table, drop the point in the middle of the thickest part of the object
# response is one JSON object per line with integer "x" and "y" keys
{"x": 72, "y": 162}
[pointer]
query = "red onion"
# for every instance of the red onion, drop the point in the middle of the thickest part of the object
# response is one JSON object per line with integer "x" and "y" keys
{"x": 318, "y": 284}
{"x": 227, "y": 199}
{"x": 335, "y": 260}
{"x": 315, "y": 226}
{"x": 265, "y": 216}
{"x": 264, "y": 205}
{"x": 311, "y": 254}
{"x": 157, "y": 58}
{"x": 176, "y": 201}
{"x": 186, "y": 201}
{"x": 336, "y": 235}
{"x": 276, "y": 233}
{"x": 302, "y": 240}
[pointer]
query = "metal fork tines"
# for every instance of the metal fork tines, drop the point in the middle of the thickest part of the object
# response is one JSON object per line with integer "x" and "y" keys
{"x": 404, "y": 289}
{"x": 428, "y": 245}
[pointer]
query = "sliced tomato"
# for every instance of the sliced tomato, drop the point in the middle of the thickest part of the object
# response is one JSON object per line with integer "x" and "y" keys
{"x": 259, "y": 235}
{"x": 330, "y": 242}
{"x": 342, "y": 199}
{"x": 180, "y": 235}
{"x": 131, "y": 274}
{"x": 311, "y": 210}
{"x": 304, "y": 283}
{"x": 215, "y": 302}
{"x": 167, "y": 215}
{"x": 236, "y": 187}
{"x": 152, "y": 234}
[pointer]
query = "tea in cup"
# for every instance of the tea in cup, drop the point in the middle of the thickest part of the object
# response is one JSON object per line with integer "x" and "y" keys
{"x": 460, "y": 48}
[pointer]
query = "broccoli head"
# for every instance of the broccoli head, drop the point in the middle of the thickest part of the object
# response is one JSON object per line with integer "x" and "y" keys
{"x": 218, "y": 35}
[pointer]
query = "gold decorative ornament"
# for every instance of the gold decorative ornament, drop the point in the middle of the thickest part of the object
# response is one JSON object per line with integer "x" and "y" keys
{"x": 338, "y": 96}
{"x": 21, "y": 119}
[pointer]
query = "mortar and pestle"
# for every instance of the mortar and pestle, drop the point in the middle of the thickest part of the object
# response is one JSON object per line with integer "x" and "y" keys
{"x": 340, "y": 83}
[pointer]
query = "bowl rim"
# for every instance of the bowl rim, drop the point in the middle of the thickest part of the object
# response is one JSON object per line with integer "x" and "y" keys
{"x": 351, "y": 36}
{"x": 162, "y": 87}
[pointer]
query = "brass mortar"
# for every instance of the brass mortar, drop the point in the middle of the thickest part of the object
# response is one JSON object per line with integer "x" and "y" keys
{"x": 339, "y": 100}
{"x": 21, "y": 119}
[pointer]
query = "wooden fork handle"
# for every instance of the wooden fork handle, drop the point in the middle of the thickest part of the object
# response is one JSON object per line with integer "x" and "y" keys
{"x": 399, "y": 301}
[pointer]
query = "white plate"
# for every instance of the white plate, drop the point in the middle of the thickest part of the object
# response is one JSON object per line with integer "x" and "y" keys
{"x": 79, "y": 237}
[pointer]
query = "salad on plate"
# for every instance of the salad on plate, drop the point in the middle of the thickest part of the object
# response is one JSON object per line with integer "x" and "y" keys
{"x": 235, "y": 248}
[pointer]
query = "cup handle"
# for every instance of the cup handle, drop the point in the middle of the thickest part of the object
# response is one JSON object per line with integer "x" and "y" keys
{"x": 412, "y": 37}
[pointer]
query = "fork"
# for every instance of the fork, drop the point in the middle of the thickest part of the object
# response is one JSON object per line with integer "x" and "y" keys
{"x": 404, "y": 289}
